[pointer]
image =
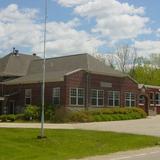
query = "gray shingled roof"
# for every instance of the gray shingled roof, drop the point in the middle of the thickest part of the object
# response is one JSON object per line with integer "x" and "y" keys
{"x": 15, "y": 65}
{"x": 56, "y": 68}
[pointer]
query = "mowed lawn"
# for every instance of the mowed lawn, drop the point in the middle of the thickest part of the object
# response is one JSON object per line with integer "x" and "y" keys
{"x": 22, "y": 144}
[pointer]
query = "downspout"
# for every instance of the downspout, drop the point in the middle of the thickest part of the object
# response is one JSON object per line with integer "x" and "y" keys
{"x": 87, "y": 90}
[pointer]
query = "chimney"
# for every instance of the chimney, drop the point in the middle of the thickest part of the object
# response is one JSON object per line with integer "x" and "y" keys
{"x": 34, "y": 54}
{"x": 15, "y": 52}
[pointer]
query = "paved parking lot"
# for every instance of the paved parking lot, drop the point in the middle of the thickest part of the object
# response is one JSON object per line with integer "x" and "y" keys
{"x": 149, "y": 126}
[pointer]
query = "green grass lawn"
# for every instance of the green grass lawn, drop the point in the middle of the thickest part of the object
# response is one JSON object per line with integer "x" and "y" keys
{"x": 22, "y": 144}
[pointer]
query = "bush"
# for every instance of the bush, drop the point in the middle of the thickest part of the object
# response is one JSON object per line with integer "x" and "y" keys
{"x": 61, "y": 115}
{"x": 80, "y": 117}
{"x": 3, "y": 118}
{"x": 11, "y": 117}
{"x": 107, "y": 114}
{"x": 19, "y": 117}
{"x": 49, "y": 112}
{"x": 31, "y": 112}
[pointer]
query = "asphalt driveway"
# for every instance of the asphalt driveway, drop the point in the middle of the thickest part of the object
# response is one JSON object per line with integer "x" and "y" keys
{"x": 148, "y": 126}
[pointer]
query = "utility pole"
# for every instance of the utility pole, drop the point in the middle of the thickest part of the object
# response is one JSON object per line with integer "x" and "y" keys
{"x": 42, "y": 135}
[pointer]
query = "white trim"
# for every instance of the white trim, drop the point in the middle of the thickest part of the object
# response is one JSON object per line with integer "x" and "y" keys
{"x": 97, "y": 98}
{"x": 76, "y": 96}
{"x": 30, "y": 96}
{"x": 130, "y": 99}
{"x": 53, "y": 96}
{"x": 113, "y": 100}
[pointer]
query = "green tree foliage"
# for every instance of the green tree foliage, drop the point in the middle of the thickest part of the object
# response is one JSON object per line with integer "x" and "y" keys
{"x": 146, "y": 75}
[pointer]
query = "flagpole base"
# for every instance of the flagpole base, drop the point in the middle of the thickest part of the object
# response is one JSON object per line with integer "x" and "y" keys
{"x": 41, "y": 137}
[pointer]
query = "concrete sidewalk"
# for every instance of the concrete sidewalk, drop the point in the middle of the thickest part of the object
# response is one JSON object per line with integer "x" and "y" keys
{"x": 142, "y": 154}
{"x": 149, "y": 126}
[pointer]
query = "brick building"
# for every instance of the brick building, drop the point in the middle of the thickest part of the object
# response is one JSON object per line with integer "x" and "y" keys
{"x": 75, "y": 81}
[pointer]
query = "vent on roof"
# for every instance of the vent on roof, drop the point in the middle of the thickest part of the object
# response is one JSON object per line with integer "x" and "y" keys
{"x": 34, "y": 54}
{"x": 15, "y": 52}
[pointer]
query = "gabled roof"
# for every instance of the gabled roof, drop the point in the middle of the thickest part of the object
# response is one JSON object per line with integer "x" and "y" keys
{"x": 140, "y": 86}
{"x": 57, "y": 67}
{"x": 15, "y": 64}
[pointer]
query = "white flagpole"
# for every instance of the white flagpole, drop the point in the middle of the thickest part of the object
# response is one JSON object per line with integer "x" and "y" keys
{"x": 44, "y": 73}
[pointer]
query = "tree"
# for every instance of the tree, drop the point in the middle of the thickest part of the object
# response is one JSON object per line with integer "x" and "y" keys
{"x": 126, "y": 58}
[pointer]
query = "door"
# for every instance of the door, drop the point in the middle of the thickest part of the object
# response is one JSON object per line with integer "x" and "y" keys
{"x": 11, "y": 108}
{"x": 0, "y": 107}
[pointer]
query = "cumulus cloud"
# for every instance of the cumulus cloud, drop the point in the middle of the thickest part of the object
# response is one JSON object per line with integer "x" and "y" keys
{"x": 63, "y": 38}
{"x": 113, "y": 19}
{"x": 145, "y": 48}
{"x": 21, "y": 28}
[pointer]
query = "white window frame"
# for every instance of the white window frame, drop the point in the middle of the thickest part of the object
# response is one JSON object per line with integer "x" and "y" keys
{"x": 54, "y": 94}
{"x": 28, "y": 96}
{"x": 157, "y": 104}
{"x": 77, "y": 97}
{"x": 130, "y": 99}
{"x": 114, "y": 98}
{"x": 97, "y": 97}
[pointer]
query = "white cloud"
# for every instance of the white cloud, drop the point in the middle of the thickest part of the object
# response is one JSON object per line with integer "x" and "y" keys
{"x": 114, "y": 20}
{"x": 158, "y": 32}
{"x": 71, "y": 3}
{"x": 145, "y": 48}
{"x": 21, "y": 28}
{"x": 63, "y": 38}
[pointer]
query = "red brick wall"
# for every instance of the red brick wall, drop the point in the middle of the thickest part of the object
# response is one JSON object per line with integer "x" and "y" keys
{"x": 79, "y": 80}
{"x": 36, "y": 93}
{"x": 75, "y": 80}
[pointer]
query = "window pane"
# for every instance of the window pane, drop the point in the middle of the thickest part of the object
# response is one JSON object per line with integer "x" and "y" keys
{"x": 127, "y": 104}
{"x": 56, "y": 100}
{"x": 110, "y": 95}
{"x": 132, "y": 103}
{"x": 117, "y": 95}
{"x": 94, "y": 101}
{"x": 81, "y": 92}
{"x": 73, "y": 92}
{"x": 127, "y": 95}
{"x": 100, "y": 102}
{"x": 56, "y": 92}
{"x": 80, "y": 101}
{"x": 73, "y": 100}
{"x": 116, "y": 102}
{"x": 28, "y": 100}
{"x": 111, "y": 103}
{"x": 100, "y": 94}
{"x": 132, "y": 96}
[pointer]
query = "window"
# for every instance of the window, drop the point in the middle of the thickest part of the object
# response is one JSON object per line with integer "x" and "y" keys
{"x": 28, "y": 96}
{"x": 77, "y": 96}
{"x": 130, "y": 99}
{"x": 157, "y": 98}
{"x": 56, "y": 96}
{"x": 141, "y": 100}
{"x": 97, "y": 97}
{"x": 114, "y": 98}
{"x": 151, "y": 95}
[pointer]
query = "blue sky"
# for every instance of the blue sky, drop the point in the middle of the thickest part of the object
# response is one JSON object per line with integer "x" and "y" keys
{"x": 93, "y": 26}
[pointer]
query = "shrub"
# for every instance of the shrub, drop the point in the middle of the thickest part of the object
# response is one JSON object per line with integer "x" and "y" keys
{"x": 19, "y": 117}
{"x": 49, "y": 112}
{"x": 11, "y": 117}
{"x": 31, "y": 112}
{"x": 107, "y": 114}
{"x": 80, "y": 117}
{"x": 3, "y": 118}
{"x": 61, "y": 115}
